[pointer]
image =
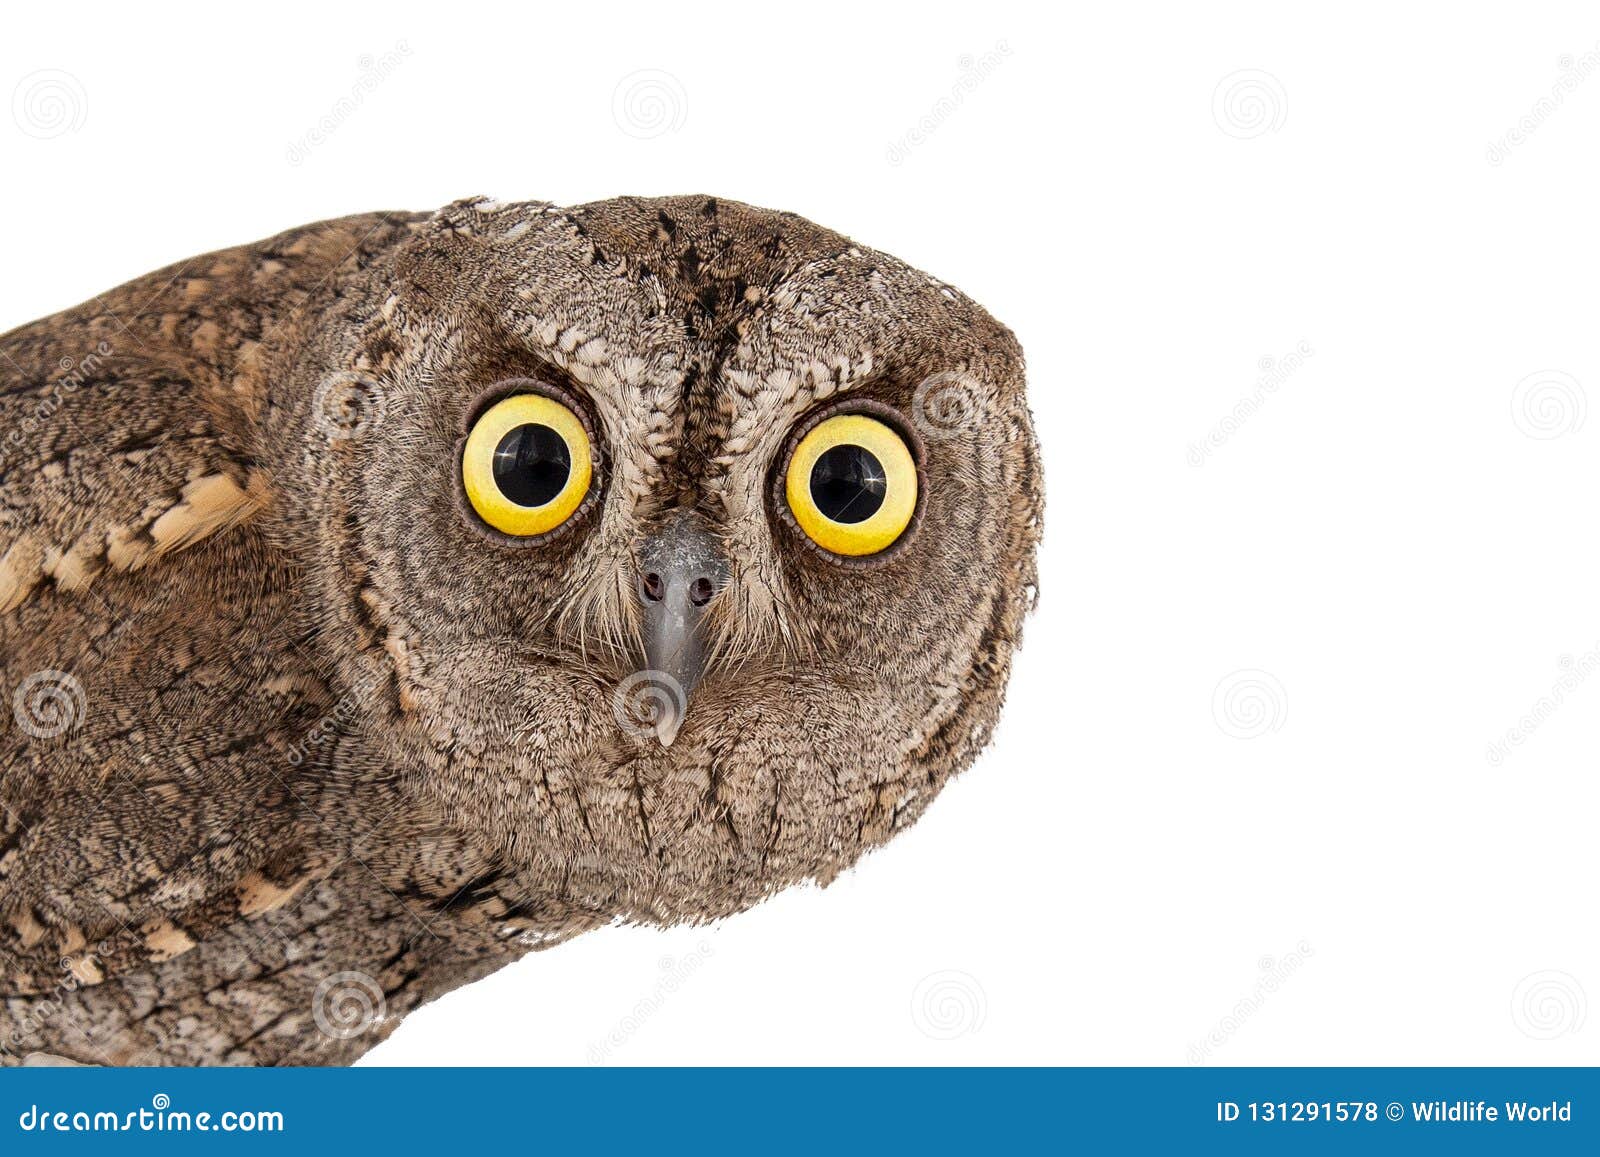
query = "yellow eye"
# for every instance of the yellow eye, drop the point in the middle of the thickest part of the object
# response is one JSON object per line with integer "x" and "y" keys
{"x": 852, "y": 485}
{"x": 526, "y": 466}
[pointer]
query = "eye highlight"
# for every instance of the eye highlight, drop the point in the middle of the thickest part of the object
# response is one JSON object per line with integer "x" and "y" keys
{"x": 852, "y": 485}
{"x": 527, "y": 465}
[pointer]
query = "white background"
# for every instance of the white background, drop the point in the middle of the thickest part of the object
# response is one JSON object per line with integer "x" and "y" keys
{"x": 1317, "y": 863}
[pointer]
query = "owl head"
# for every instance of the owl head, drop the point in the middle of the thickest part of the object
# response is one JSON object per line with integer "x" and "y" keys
{"x": 672, "y": 549}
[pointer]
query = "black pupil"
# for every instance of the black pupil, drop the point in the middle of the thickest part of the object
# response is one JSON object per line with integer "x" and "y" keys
{"x": 848, "y": 484}
{"x": 531, "y": 464}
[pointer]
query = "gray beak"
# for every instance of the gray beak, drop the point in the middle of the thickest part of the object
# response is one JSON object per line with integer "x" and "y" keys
{"x": 681, "y": 568}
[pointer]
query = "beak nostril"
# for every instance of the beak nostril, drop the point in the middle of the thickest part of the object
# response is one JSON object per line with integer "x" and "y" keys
{"x": 700, "y": 591}
{"x": 654, "y": 589}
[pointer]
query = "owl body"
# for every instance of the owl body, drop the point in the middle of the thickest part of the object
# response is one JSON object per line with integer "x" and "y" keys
{"x": 302, "y": 735}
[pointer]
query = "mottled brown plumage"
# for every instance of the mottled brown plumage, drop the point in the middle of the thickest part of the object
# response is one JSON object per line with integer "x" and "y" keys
{"x": 287, "y": 726}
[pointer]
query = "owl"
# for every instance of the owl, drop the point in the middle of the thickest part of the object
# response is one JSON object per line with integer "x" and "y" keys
{"x": 407, "y": 592}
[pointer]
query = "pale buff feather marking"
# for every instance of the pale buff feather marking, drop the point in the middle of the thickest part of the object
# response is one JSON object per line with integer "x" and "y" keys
{"x": 165, "y": 939}
{"x": 125, "y": 550}
{"x": 83, "y": 967}
{"x": 206, "y": 340}
{"x": 299, "y": 686}
{"x": 85, "y": 970}
{"x": 248, "y": 386}
{"x": 258, "y": 895}
{"x": 395, "y": 646}
{"x": 29, "y": 930}
{"x": 78, "y": 566}
{"x": 400, "y": 656}
{"x": 20, "y": 571}
{"x": 206, "y": 505}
